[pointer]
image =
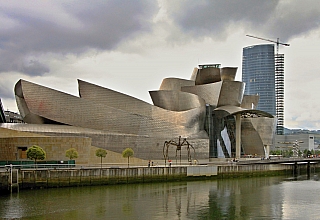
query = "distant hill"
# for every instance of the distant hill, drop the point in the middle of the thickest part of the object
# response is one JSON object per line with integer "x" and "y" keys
{"x": 300, "y": 131}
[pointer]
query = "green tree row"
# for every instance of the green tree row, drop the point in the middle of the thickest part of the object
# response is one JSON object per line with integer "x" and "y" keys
{"x": 289, "y": 153}
{"x": 37, "y": 153}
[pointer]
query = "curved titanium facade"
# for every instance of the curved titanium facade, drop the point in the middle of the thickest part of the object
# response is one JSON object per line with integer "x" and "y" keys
{"x": 228, "y": 73}
{"x": 194, "y": 106}
{"x": 135, "y": 106}
{"x": 72, "y": 110}
{"x": 250, "y": 101}
{"x": 246, "y": 113}
{"x": 175, "y": 100}
{"x": 250, "y": 139}
{"x": 264, "y": 126}
{"x": 220, "y": 93}
{"x": 175, "y": 83}
{"x": 206, "y": 75}
{"x": 202, "y": 110}
{"x": 113, "y": 99}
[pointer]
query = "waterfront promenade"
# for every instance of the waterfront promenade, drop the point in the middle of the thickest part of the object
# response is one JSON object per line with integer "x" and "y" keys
{"x": 281, "y": 161}
{"x": 14, "y": 178}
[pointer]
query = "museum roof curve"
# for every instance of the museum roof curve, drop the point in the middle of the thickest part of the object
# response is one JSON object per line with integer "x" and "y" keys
{"x": 245, "y": 113}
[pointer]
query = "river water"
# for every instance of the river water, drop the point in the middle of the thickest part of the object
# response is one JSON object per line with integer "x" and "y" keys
{"x": 238, "y": 198}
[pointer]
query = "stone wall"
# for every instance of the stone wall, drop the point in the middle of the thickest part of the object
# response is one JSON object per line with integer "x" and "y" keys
{"x": 55, "y": 148}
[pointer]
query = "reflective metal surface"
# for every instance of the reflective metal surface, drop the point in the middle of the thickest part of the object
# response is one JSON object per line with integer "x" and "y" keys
{"x": 231, "y": 93}
{"x": 209, "y": 92}
{"x": 175, "y": 100}
{"x": 207, "y": 75}
{"x": 250, "y": 139}
{"x": 250, "y": 101}
{"x": 175, "y": 83}
{"x": 228, "y": 73}
{"x": 223, "y": 111}
{"x": 55, "y": 106}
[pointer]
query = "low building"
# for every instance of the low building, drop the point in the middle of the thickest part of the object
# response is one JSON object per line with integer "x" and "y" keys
{"x": 13, "y": 117}
{"x": 306, "y": 141}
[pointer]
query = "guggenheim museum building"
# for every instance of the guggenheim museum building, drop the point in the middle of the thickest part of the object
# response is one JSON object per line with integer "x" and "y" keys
{"x": 209, "y": 111}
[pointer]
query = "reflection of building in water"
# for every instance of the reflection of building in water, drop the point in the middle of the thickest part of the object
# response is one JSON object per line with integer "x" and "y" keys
{"x": 237, "y": 198}
{"x": 209, "y": 110}
{"x": 230, "y": 198}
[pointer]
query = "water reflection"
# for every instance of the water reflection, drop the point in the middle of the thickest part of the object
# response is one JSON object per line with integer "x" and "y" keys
{"x": 250, "y": 198}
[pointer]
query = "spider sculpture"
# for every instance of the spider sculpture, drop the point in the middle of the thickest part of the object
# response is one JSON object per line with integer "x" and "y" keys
{"x": 178, "y": 145}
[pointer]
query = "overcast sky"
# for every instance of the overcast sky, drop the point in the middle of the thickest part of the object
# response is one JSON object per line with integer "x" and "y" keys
{"x": 130, "y": 46}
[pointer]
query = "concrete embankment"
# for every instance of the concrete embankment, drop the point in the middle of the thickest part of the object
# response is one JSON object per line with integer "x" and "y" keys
{"x": 66, "y": 177}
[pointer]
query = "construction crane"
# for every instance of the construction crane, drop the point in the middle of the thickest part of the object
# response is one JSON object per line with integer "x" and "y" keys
{"x": 277, "y": 42}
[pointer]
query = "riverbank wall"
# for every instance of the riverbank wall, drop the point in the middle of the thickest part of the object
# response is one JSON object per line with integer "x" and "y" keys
{"x": 17, "y": 179}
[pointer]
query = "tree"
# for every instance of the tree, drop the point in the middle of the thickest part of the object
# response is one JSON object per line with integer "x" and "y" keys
{"x": 101, "y": 153}
{"x": 312, "y": 152}
{"x": 36, "y": 153}
{"x": 309, "y": 153}
{"x": 72, "y": 153}
{"x": 128, "y": 152}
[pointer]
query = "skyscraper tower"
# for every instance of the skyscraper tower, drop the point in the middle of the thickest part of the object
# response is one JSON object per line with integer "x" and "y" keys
{"x": 279, "y": 71}
{"x": 258, "y": 72}
{"x": 279, "y": 83}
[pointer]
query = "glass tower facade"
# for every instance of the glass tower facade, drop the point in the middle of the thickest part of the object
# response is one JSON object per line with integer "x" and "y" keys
{"x": 258, "y": 72}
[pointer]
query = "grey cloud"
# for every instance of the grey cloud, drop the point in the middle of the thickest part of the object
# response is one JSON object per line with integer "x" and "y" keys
{"x": 272, "y": 18}
{"x": 100, "y": 25}
{"x": 212, "y": 18}
{"x": 14, "y": 61}
{"x": 36, "y": 68}
{"x": 294, "y": 18}
{"x": 6, "y": 89}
